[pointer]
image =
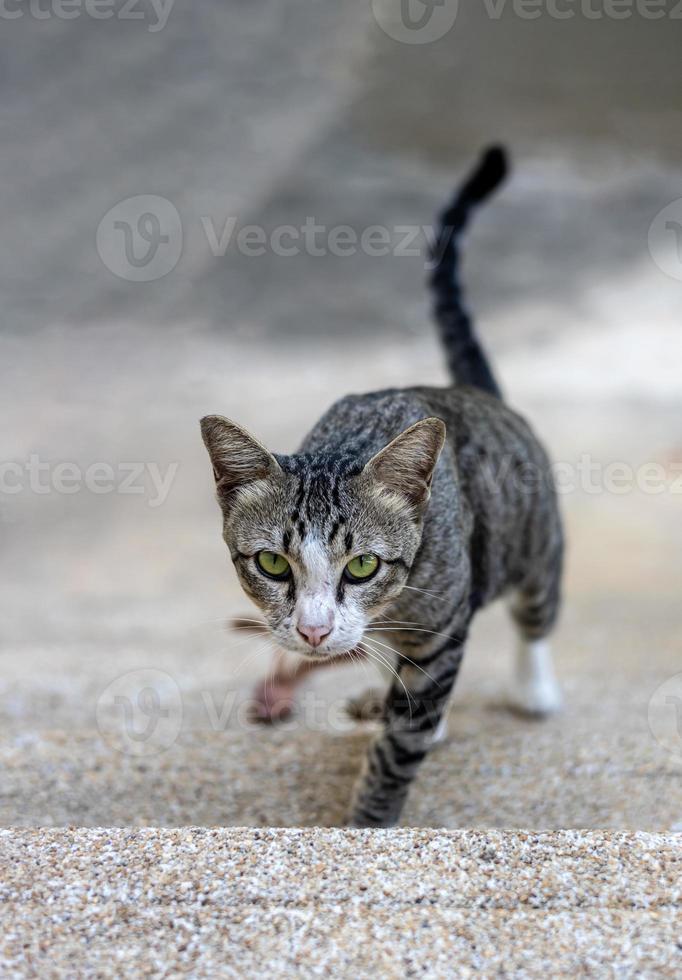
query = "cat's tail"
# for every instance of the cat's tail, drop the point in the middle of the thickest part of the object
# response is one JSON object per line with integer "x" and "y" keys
{"x": 466, "y": 359}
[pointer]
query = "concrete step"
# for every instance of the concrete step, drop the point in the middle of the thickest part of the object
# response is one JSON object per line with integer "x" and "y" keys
{"x": 301, "y": 903}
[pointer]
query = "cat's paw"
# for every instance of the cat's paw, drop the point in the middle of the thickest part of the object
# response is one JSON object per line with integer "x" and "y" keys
{"x": 368, "y": 706}
{"x": 271, "y": 702}
{"x": 534, "y": 690}
{"x": 535, "y": 698}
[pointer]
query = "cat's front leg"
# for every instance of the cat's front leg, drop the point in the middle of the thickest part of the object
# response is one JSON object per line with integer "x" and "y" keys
{"x": 273, "y": 698}
{"x": 414, "y": 708}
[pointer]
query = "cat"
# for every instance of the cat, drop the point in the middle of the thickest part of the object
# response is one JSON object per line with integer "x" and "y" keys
{"x": 404, "y": 511}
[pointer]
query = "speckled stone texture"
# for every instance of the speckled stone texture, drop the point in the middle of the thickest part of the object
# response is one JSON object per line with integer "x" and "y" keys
{"x": 304, "y": 903}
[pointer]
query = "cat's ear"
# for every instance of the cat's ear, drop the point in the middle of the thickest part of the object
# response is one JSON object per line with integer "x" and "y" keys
{"x": 407, "y": 463}
{"x": 237, "y": 457}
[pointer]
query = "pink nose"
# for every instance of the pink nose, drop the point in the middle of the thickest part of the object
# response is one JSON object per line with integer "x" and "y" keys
{"x": 313, "y": 634}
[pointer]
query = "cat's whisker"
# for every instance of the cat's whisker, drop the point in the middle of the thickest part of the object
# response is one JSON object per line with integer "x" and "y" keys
{"x": 246, "y": 629}
{"x": 246, "y": 636}
{"x": 442, "y": 596}
{"x": 242, "y": 623}
{"x": 407, "y": 624}
{"x": 240, "y": 642}
{"x": 261, "y": 648}
{"x": 379, "y": 657}
{"x": 395, "y": 622}
{"x": 226, "y": 621}
{"x": 410, "y": 629}
{"x": 363, "y": 661}
{"x": 374, "y": 655}
{"x": 360, "y": 657}
{"x": 412, "y": 663}
{"x": 387, "y": 623}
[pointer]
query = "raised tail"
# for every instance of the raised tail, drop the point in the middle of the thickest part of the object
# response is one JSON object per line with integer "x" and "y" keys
{"x": 466, "y": 359}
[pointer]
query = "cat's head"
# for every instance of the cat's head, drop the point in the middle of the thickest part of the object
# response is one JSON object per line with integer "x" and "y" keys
{"x": 322, "y": 543}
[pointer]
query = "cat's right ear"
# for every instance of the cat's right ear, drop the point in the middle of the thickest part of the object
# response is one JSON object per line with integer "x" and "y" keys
{"x": 237, "y": 457}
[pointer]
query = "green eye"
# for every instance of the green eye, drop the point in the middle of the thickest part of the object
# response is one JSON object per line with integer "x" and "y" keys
{"x": 273, "y": 565}
{"x": 361, "y": 568}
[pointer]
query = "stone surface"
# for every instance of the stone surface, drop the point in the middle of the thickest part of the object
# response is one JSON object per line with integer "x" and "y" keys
{"x": 354, "y": 903}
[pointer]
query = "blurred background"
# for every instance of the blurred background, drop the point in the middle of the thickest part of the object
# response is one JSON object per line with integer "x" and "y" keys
{"x": 191, "y": 198}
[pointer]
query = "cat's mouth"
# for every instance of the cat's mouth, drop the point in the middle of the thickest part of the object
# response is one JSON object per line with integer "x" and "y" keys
{"x": 326, "y": 656}
{"x": 329, "y": 659}
{"x": 317, "y": 655}
{"x": 320, "y": 655}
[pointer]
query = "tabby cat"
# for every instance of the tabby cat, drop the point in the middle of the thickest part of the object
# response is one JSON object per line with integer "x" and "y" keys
{"x": 406, "y": 510}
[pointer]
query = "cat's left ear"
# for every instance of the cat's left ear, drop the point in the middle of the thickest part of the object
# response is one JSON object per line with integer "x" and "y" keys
{"x": 236, "y": 456}
{"x": 407, "y": 463}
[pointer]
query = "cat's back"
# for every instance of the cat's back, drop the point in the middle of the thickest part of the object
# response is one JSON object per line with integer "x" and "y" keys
{"x": 363, "y": 424}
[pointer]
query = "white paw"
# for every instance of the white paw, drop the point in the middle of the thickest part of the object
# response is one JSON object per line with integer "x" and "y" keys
{"x": 534, "y": 690}
{"x": 537, "y": 700}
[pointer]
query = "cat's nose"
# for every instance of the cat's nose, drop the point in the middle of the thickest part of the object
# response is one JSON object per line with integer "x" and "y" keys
{"x": 314, "y": 634}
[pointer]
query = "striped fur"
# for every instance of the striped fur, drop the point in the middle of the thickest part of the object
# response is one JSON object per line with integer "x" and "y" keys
{"x": 454, "y": 527}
